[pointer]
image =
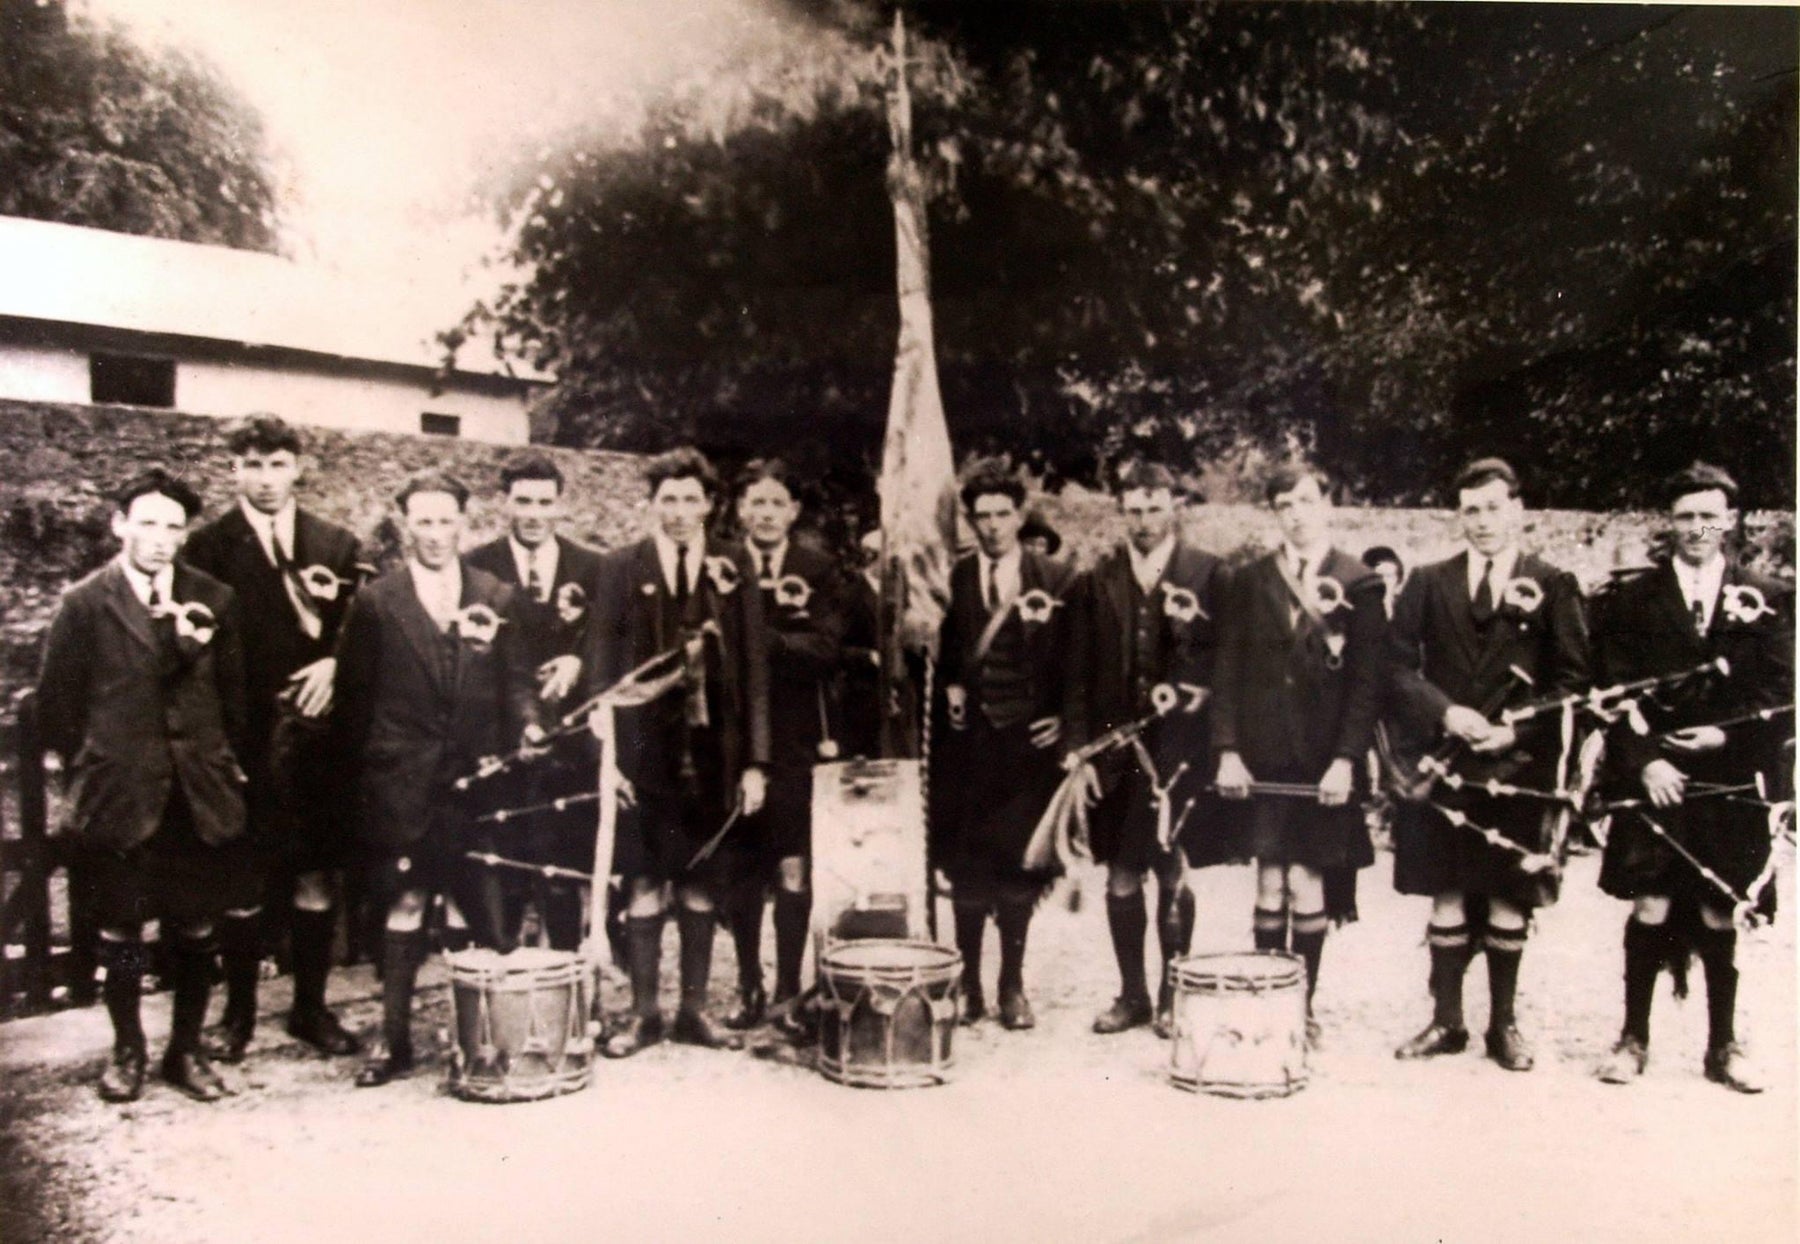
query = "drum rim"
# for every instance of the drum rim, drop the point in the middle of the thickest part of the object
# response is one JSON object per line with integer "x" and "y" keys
{"x": 1277, "y": 969}
{"x": 946, "y": 957}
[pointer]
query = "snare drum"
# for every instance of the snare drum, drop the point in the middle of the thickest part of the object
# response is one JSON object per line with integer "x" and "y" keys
{"x": 888, "y": 1012}
{"x": 1240, "y": 1024}
{"x": 521, "y": 1024}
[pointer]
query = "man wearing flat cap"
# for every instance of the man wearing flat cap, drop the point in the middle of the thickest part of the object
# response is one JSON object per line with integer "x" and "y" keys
{"x": 1486, "y": 630}
{"x": 1695, "y": 737}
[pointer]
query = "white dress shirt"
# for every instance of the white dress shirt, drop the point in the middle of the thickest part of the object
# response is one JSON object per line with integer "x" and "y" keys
{"x": 1148, "y": 568}
{"x": 270, "y": 528}
{"x": 142, "y": 584}
{"x": 1002, "y": 574}
{"x": 768, "y": 564}
{"x": 543, "y": 558}
{"x": 1700, "y": 586}
{"x": 1502, "y": 563}
{"x": 694, "y": 553}
{"x": 439, "y": 591}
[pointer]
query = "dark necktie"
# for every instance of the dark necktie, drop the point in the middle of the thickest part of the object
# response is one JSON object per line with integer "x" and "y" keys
{"x": 1483, "y": 607}
{"x": 1699, "y": 618}
{"x": 534, "y": 582}
{"x": 1299, "y": 606}
{"x": 992, "y": 596}
{"x": 682, "y": 586}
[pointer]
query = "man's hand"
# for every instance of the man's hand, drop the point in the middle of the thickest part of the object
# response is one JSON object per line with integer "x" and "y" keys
{"x": 556, "y": 677}
{"x": 1334, "y": 787}
{"x": 752, "y": 787}
{"x": 627, "y": 792}
{"x": 1046, "y": 732}
{"x": 1498, "y": 739}
{"x": 1695, "y": 739}
{"x": 956, "y": 701}
{"x": 311, "y": 685}
{"x": 1664, "y": 783}
{"x": 1465, "y": 723}
{"x": 531, "y": 741}
{"x": 1233, "y": 779}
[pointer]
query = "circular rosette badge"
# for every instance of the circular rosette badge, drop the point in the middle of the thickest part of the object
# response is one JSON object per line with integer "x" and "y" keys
{"x": 1328, "y": 596}
{"x": 477, "y": 626}
{"x": 1743, "y": 603}
{"x": 793, "y": 592}
{"x": 1036, "y": 606}
{"x": 1164, "y": 699}
{"x": 321, "y": 582}
{"x": 1523, "y": 596}
{"x": 723, "y": 573}
{"x": 571, "y": 604}
{"x": 1180, "y": 604}
{"x": 195, "y": 624}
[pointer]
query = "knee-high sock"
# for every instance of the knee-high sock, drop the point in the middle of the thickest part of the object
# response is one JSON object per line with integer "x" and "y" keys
{"x": 191, "y": 967}
{"x": 746, "y": 917}
{"x": 402, "y": 950}
{"x": 1646, "y": 946}
{"x": 1505, "y": 947}
{"x": 1718, "y": 956}
{"x": 311, "y": 939}
{"x": 1012, "y": 917}
{"x": 643, "y": 952}
{"x": 1309, "y": 944}
{"x": 1127, "y": 920}
{"x": 562, "y": 917}
{"x": 240, "y": 949}
{"x": 971, "y": 927}
{"x": 1269, "y": 928}
{"x": 125, "y": 963}
{"x": 793, "y": 912}
{"x": 696, "y": 929}
{"x": 1450, "y": 955}
{"x": 1174, "y": 933}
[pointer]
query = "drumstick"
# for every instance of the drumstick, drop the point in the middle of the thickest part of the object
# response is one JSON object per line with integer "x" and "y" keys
{"x": 712, "y": 844}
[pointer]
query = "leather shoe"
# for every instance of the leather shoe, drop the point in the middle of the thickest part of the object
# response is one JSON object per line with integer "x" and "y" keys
{"x": 1435, "y": 1040}
{"x": 1508, "y": 1047}
{"x": 636, "y": 1033}
{"x": 699, "y": 1028}
{"x": 798, "y": 1019}
{"x": 233, "y": 1038}
{"x": 321, "y": 1030}
{"x": 1015, "y": 1011}
{"x": 123, "y": 1079}
{"x": 753, "y": 1004}
{"x": 189, "y": 1071}
{"x": 1730, "y": 1066}
{"x": 384, "y": 1064}
{"x": 974, "y": 1005}
{"x": 1625, "y": 1063}
{"x": 1125, "y": 1013}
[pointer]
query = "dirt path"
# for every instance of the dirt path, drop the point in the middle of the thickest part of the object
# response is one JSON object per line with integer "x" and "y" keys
{"x": 1050, "y": 1135}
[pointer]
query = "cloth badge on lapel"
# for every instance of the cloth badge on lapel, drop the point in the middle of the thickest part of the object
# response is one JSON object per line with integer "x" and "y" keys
{"x": 723, "y": 574}
{"x": 792, "y": 592}
{"x": 1036, "y": 605}
{"x": 195, "y": 625}
{"x": 1180, "y": 604}
{"x": 1328, "y": 595}
{"x": 571, "y": 603}
{"x": 477, "y": 626}
{"x": 321, "y": 582}
{"x": 1743, "y": 603}
{"x": 1522, "y": 596}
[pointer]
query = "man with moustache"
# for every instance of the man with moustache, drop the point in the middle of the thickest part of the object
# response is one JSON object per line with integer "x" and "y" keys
{"x": 1460, "y": 629}
{"x": 294, "y": 573}
{"x": 1701, "y": 604}
{"x": 1296, "y": 691}
{"x": 555, "y": 581}
{"x": 1146, "y": 621}
{"x": 141, "y": 693}
{"x": 431, "y": 678}
{"x": 693, "y": 756}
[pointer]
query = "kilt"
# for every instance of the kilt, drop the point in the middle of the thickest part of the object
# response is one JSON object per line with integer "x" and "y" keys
{"x": 432, "y": 862}
{"x": 172, "y": 876}
{"x": 1122, "y": 824}
{"x": 1302, "y": 831}
{"x": 782, "y": 829}
{"x": 1002, "y": 786}
{"x": 1730, "y": 839}
{"x": 297, "y": 818}
{"x": 1432, "y": 856}
{"x": 674, "y": 818}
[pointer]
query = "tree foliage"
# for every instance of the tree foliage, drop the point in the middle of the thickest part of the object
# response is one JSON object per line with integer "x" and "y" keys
{"x": 95, "y": 130}
{"x": 1390, "y": 236}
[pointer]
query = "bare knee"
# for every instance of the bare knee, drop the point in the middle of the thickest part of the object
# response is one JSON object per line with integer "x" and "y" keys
{"x": 1650, "y": 909}
{"x": 694, "y": 898}
{"x": 1447, "y": 908}
{"x": 1715, "y": 918}
{"x": 1123, "y": 882}
{"x": 1503, "y": 915}
{"x": 1271, "y": 886}
{"x": 1306, "y": 887}
{"x": 793, "y": 874}
{"x": 313, "y": 891}
{"x": 648, "y": 898}
{"x": 406, "y": 914}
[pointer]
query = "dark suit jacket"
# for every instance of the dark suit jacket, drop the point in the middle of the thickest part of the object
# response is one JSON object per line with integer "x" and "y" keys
{"x": 805, "y": 645}
{"x": 1439, "y": 657}
{"x": 1044, "y": 643}
{"x": 542, "y": 627}
{"x": 414, "y": 720}
{"x": 274, "y": 644}
{"x": 1101, "y": 691}
{"x": 130, "y": 721}
{"x": 1276, "y": 700}
{"x": 628, "y": 630}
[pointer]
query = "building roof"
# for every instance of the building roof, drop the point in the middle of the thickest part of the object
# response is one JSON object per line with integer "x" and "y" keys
{"x": 72, "y": 274}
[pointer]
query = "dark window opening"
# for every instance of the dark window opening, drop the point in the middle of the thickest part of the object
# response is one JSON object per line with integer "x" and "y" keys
{"x": 131, "y": 380}
{"x": 440, "y": 425}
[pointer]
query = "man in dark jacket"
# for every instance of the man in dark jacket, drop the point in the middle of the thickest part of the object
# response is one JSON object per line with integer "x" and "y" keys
{"x": 1480, "y": 632}
{"x": 555, "y": 582}
{"x": 1001, "y": 654}
{"x": 293, "y": 573}
{"x": 1146, "y": 626}
{"x": 692, "y": 757}
{"x": 1695, "y": 735}
{"x": 142, "y": 695}
{"x": 430, "y": 680}
{"x": 1296, "y": 691}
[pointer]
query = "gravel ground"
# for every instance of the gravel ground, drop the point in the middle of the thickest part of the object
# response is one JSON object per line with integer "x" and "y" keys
{"x": 1055, "y": 1134}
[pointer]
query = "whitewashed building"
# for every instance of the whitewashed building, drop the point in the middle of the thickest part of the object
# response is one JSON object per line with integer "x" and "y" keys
{"x": 90, "y": 316}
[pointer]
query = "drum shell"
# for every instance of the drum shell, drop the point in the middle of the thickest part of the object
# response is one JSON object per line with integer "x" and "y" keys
{"x": 868, "y": 841}
{"x": 888, "y": 1009}
{"x": 521, "y": 1024}
{"x": 1240, "y": 1024}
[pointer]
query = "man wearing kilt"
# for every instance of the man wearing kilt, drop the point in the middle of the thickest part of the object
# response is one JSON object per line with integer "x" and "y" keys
{"x": 1001, "y": 652}
{"x": 141, "y": 694}
{"x": 1145, "y": 622}
{"x": 430, "y": 680}
{"x": 1487, "y": 629}
{"x": 1695, "y": 736}
{"x": 692, "y": 757}
{"x": 1296, "y": 692}
{"x": 555, "y": 582}
{"x": 293, "y": 573}
{"x": 803, "y": 625}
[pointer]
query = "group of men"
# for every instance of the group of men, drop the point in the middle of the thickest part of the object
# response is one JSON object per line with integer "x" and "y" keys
{"x": 243, "y": 724}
